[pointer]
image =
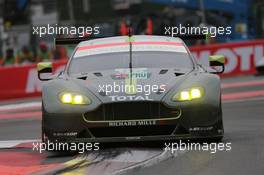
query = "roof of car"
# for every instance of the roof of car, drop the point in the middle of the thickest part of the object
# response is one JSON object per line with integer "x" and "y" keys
{"x": 121, "y": 44}
{"x": 137, "y": 38}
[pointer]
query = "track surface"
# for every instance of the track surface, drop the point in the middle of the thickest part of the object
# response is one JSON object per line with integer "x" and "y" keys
{"x": 244, "y": 123}
{"x": 244, "y": 128}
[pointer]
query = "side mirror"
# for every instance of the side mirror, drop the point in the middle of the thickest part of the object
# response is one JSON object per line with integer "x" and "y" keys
{"x": 217, "y": 61}
{"x": 44, "y": 71}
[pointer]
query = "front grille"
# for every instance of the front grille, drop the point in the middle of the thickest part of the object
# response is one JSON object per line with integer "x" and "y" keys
{"x": 132, "y": 131}
{"x": 131, "y": 111}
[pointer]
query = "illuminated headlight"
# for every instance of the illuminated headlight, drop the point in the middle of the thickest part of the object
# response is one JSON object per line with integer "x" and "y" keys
{"x": 74, "y": 98}
{"x": 189, "y": 94}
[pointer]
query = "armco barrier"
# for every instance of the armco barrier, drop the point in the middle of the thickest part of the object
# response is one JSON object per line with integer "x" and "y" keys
{"x": 22, "y": 81}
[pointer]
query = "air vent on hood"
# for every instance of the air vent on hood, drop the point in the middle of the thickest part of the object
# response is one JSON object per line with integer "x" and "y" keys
{"x": 98, "y": 74}
{"x": 82, "y": 77}
{"x": 163, "y": 71}
{"x": 178, "y": 73}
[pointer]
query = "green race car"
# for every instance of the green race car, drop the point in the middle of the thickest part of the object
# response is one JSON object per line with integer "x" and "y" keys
{"x": 131, "y": 88}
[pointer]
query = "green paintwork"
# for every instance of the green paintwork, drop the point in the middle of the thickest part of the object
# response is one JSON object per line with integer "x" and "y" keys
{"x": 217, "y": 58}
{"x": 44, "y": 65}
{"x": 130, "y": 39}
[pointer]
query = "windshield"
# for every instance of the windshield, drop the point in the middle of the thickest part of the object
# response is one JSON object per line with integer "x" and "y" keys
{"x": 140, "y": 59}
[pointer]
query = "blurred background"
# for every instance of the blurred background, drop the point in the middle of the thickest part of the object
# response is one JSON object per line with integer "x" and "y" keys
{"x": 18, "y": 45}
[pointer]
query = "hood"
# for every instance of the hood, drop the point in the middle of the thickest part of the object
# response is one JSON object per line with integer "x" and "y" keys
{"x": 144, "y": 84}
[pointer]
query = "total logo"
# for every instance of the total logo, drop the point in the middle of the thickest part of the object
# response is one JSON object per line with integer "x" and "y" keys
{"x": 130, "y": 98}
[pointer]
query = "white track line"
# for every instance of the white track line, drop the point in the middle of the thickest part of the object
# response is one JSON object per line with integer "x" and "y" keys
{"x": 20, "y": 106}
{"x": 13, "y": 143}
{"x": 244, "y": 100}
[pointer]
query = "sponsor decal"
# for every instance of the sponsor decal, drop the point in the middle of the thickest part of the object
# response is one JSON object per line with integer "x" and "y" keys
{"x": 138, "y": 73}
{"x": 209, "y": 128}
{"x": 132, "y": 123}
{"x": 130, "y": 98}
{"x": 65, "y": 134}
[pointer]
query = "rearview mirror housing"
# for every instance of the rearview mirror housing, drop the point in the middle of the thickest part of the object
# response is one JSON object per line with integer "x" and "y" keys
{"x": 216, "y": 61}
{"x": 44, "y": 69}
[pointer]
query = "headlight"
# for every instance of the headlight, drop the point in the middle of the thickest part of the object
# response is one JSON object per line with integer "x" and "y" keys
{"x": 189, "y": 94}
{"x": 74, "y": 98}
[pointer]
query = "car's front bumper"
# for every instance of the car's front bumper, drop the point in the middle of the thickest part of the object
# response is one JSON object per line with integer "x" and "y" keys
{"x": 73, "y": 129}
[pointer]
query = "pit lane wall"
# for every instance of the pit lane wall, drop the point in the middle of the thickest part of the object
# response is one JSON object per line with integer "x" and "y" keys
{"x": 241, "y": 57}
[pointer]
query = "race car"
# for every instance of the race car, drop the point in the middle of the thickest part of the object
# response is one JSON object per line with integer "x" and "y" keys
{"x": 260, "y": 67}
{"x": 131, "y": 88}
